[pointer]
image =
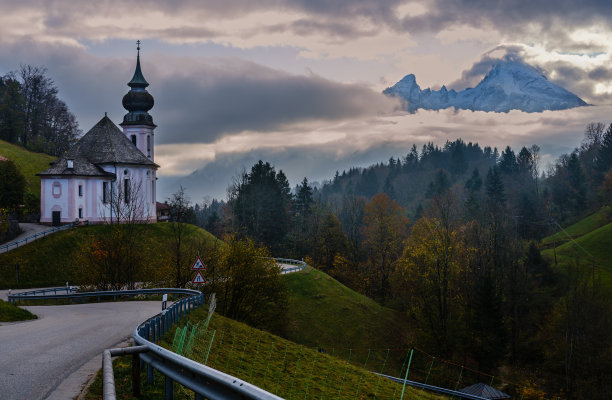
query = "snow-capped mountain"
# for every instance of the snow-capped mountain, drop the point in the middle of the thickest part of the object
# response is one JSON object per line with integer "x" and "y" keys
{"x": 509, "y": 85}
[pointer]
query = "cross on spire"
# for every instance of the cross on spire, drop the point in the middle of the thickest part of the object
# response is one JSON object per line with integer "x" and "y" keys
{"x": 138, "y": 45}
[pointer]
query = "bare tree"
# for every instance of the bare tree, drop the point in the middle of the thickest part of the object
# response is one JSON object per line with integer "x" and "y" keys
{"x": 113, "y": 258}
{"x": 182, "y": 233}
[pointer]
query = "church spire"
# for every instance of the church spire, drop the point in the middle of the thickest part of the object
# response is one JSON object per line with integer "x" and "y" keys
{"x": 138, "y": 101}
{"x": 138, "y": 80}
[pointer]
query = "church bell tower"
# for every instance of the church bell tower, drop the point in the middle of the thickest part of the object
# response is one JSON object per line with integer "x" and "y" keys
{"x": 138, "y": 124}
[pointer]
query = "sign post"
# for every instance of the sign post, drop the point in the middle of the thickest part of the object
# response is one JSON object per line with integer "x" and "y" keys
{"x": 164, "y": 301}
{"x": 198, "y": 266}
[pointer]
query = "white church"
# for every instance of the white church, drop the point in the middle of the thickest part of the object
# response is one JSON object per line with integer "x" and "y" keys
{"x": 109, "y": 174}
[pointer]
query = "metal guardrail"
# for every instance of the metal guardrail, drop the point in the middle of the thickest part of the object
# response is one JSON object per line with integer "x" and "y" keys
{"x": 72, "y": 293}
{"x": 35, "y": 236}
{"x": 299, "y": 265}
{"x": 448, "y": 392}
{"x": 206, "y": 382}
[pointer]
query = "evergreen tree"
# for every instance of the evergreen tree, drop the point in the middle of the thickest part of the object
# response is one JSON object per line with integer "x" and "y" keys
{"x": 604, "y": 156}
{"x": 260, "y": 204}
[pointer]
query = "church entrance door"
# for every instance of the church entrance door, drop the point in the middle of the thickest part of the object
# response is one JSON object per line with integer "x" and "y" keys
{"x": 56, "y": 216}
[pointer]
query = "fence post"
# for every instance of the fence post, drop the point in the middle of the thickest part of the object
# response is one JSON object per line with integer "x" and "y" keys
{"x": 135, "y": 375}
{"x": 169, "y": 389}
{"x": 406, "y": 377}
{"x": 150, "y": 372}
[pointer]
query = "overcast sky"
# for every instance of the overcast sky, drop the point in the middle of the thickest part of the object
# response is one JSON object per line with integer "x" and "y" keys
{"x": 298, "y": 82}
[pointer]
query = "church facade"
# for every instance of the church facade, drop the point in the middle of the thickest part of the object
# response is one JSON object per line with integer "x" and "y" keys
{"x": 109, "y": 175}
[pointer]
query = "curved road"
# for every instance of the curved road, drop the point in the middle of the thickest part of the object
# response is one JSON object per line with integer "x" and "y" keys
{"x": 36, "y": 356}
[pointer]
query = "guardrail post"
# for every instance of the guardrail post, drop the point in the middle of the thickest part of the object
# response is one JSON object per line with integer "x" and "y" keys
{"x": 135, "y": 375}
{"x": 150, "y": 373}
{"x": 169, "y": 389}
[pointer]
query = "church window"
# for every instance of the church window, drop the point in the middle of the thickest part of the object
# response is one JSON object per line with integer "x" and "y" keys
{"x": 126, "y": 190}
{"x": 81, "y": 190}
{"x": 148, "y": 145}
{"x": 56, "y": 190}
{"x": 134, "y": 139}
{"x": 105, "y": 193}
{"x": 80, "y": 212}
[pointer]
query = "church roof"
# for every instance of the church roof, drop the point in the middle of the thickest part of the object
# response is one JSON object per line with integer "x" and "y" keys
{"x": 103, "y": 144}
{"x": 80, "y": 167}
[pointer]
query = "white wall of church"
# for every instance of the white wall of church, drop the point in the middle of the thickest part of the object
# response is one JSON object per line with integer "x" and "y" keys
{"x": 83, "y": 197}
{"x": 143, "y": 135}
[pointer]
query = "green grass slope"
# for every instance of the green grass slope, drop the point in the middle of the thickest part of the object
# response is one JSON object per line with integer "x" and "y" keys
{"x": 10, "y": 312}
{"x": 29, "y": 163}
{"x": 282, "y": 367}
{"x": 582, "y": 227}
{"x": 52, "y": 260}
{"x": 324, "y": 313}
{"x": 593, "y": 249}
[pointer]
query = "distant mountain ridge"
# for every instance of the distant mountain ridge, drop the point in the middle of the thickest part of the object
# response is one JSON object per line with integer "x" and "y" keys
{"x": 509, "y": 85}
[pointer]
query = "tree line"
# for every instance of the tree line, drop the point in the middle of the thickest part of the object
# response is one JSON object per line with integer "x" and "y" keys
{"x": 32, "y": 115}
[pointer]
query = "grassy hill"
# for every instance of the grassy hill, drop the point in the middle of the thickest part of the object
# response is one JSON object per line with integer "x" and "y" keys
{"x": 588, "y": 243}
{"x": 592, "y": 250}
{"x": 51, "y": 260}
{"x": 324, "y": 313}
{"x": 29, "y": 163}
{"x": 580, "y": 228}
{"x": 277, "y": 365}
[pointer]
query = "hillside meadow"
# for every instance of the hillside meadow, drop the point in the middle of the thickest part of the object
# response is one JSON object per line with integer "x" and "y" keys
{"x": 54, "y": 260}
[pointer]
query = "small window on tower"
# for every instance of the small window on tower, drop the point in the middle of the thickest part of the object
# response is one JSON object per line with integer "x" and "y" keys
{"x": 134, "y": 139}
{"x": 70, "y": 163}
{"x": 148, "y": 145}
{"x": 80, "y": 213}
{"x": 80, "y": 190}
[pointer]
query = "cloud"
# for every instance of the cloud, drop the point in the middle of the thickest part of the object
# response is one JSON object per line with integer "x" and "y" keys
{"x": 318, "y": 153}
{"x": 234, "y": 95}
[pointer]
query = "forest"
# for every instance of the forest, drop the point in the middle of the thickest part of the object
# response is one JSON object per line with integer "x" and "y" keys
{"x": 451, "y": 236}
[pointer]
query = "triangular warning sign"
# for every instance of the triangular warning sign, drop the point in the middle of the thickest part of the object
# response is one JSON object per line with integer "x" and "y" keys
{"x": 198, "y": 278}
{"x": 198, "y": 264}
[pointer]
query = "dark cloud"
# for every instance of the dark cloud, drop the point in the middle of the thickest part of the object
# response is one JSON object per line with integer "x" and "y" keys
{"x": 341, "y": 18}
{"x": 211, "y": 100}
{"x": 196, "y": 102}
{"x": 507, "y": 15}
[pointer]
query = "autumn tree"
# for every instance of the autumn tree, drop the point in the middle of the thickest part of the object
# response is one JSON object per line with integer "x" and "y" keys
{"x": 428, "y": 281}
{"x": 182, "y": 245}
{"x": 252, "y": 289}
{"x": 113, "y": 258}
{"x": 384, "y": 229}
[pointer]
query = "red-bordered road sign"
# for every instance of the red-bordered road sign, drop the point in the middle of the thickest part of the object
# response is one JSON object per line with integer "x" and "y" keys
{"x": 198, "y": 264}
{"x": 198, "y": 279}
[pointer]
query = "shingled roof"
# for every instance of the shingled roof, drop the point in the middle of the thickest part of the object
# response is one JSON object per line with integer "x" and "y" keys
{"x": 105, "y": 143}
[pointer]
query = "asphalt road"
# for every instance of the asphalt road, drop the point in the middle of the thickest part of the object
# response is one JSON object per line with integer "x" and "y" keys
{"x": 37, "y": 356}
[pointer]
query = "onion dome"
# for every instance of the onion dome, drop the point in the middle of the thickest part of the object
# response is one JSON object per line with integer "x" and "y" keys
{"x": 138, "y": 101}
